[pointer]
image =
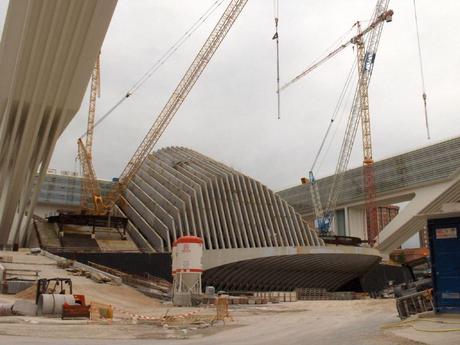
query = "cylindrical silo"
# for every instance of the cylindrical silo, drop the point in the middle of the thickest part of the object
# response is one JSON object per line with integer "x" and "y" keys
{"x": 187, "y": 252}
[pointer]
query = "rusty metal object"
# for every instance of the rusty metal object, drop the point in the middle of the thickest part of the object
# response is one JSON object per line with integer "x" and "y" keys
{"x": 416, "y": 303}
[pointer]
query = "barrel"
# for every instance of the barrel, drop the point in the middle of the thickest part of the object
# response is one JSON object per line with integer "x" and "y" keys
{"x": 52, "y": 304}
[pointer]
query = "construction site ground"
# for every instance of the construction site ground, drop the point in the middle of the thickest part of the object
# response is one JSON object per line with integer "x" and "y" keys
{"x": 367, "y": 322}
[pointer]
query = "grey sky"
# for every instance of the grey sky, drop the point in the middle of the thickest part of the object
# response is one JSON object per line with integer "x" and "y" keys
{"x": 230, "y": 115}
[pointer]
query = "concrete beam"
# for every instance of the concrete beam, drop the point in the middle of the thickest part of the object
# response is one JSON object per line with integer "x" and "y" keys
{"x": 47, "y": 53}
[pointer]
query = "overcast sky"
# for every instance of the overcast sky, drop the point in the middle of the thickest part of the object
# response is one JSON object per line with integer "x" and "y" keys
{"x": 230, "y": 115}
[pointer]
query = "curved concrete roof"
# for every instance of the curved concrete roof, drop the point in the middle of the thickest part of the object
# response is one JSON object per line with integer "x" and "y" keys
{"x": 288, "y": 272}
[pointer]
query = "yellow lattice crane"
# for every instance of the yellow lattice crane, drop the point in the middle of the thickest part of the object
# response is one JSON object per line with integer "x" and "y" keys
{"x": 366, "y": 51}
{"x": 104, "y": 206}
{"x": 91, "y": 199}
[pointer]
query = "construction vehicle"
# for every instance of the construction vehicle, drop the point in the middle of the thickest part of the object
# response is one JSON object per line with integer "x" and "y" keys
{"x": 92, "y": 212}
{"x": 63, "y": 286}
{"x": 105, "y": 205}
{"x": 366, "y": 53}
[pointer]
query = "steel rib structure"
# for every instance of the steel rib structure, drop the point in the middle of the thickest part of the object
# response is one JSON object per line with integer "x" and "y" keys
{"x": 47, "y": 52}
{"x": 253, "y": 239}
{"x": 180, "y": 192}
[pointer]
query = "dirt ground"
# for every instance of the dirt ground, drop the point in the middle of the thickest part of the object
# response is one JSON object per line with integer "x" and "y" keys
{"x": 362, "y": 322}
{"x": 303, "y": 322}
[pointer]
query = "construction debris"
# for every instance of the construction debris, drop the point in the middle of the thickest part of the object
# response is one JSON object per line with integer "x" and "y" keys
{"x": 95, "y": 276}
{"x": 278, "y": 296}
{"x": 6, "y": 309}
{"x": 79, "y": 269}
{"x": 99, "y": 278}
{"x": 13, "y": 286}
{"x": 415, "y": 303}
{"x": 311, "y": 294}
{"x": 100, "y": 311}
{"x": 149, "y": 285}
{"x": 6, "y": 259}
{"x": 25, "y": 308}
{"x": 66, "y": 263}
{"x": 35, "y": 251}
{"x": 14, "y": 280}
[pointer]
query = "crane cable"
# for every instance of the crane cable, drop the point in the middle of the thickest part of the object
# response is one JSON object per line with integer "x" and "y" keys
{"x": 421, "y": 70}
{"x": 345, "y": 108}
{"x": 335, "y": 113}
{"x": 276, "y": 37}
{"x": 165, "y": 57}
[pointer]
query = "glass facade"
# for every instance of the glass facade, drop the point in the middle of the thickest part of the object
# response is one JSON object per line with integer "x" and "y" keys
{"x": 65, "y": 189}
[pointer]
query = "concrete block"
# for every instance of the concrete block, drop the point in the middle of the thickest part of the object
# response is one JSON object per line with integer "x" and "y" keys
{"x": 25, "y": 308}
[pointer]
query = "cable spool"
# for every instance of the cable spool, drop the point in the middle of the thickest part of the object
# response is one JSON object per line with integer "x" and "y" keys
{"x": 52, "y": 304}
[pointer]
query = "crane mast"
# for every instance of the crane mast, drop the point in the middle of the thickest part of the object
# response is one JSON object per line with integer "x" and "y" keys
{"x": 366, "y": 53}
{"x": 90, "y": 183}
{"x": 94, "y": 93}
{"x": 360, "y": 112}
{"x": 90, "y": 186}
{"x": 366, "y": 58}
{"x": 198, "y": 65}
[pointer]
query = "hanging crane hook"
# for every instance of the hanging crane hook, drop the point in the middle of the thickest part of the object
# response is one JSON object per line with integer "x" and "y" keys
{"x": 422, "y": 75}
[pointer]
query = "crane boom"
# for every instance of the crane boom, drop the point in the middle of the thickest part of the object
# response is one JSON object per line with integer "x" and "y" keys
{"x": 360, "y": 111}
{"x": 177, "y": 98}
{"x": 374, "y": 23}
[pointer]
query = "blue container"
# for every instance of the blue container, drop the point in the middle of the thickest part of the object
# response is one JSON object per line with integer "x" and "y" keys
{"x": 444, "y": 235}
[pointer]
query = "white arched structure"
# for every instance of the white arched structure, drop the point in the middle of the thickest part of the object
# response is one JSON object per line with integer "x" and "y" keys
{"x": 47, "y": 52}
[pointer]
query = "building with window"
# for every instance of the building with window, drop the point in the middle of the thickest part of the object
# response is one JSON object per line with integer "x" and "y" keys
{"x": 62, "y": 190}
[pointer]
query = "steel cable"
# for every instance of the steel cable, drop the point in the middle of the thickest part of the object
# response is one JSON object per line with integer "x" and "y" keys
{"x": 160, "y": 62}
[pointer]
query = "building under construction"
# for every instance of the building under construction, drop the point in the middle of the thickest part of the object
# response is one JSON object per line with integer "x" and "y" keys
{"x": 177, "y": 228}
{"x": 249, "y": 232}
{"x": 253, "y": 238}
